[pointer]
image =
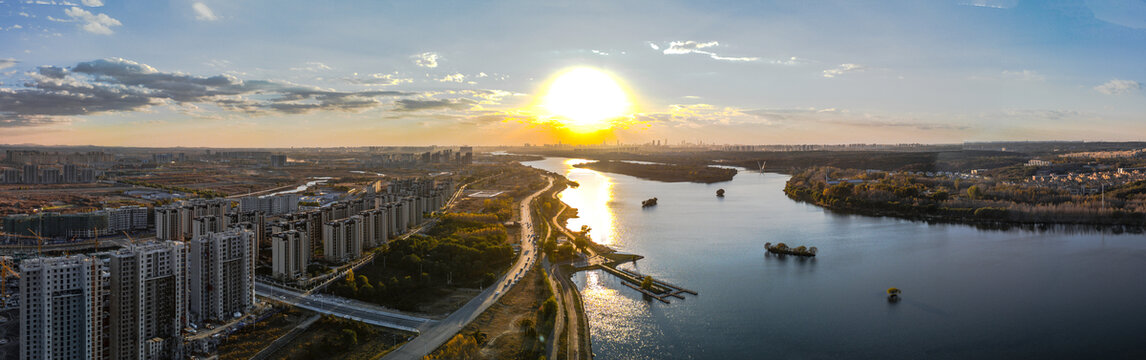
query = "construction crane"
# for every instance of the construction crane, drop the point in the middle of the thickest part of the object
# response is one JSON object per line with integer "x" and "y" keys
{"x": 124, "y": 234}
{"x": 5, "y": 272}
{"x": 39, "y": 243}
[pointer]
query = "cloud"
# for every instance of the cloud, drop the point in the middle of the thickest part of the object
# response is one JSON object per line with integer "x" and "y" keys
{"x": 457, "y": 77}
{"x": 202, "y": 12}
{"x": 843, "y": 69}
{"x": 1025, "y": 75}
{"x": 418, "y": 105}
{"x": 426, "y": 59}
{"x": 378, "y": 80}
{"x": 1128, "y": 13}
{"x": 599, "y": 52}
{"x": 834, "y": 116}
{"x": 996, "y": 4}
{"x": 93, "y": 23}
{"x": 790, "y": 61}
{"x": 1117, "y": 86}
{"x": 7, "y": 63}
{"x": 693, "y": 47}
{"x": 92, "y": 3}
{"x": 119, "y": 85}
{"x": 312, "y": 66}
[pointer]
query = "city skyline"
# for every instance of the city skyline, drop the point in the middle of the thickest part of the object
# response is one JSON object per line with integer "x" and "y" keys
{"x": 260, "y": 74}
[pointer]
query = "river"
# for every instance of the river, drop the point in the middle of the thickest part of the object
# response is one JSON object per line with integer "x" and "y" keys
{"x": 967, "y": 293}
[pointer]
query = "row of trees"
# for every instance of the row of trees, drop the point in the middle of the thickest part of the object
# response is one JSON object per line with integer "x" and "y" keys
{"x": 204, "y": 193}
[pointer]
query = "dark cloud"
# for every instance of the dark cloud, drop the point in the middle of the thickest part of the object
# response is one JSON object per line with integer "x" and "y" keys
{"x": 113, "y": 85}
{"x": 416, "y": 105}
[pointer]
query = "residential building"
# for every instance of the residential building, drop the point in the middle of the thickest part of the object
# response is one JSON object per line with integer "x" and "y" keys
{"x": 60, "y": 308}
{"x": 221, "y": 275}
{"x": 147, "y": 307}
{"x": 342, "y": 240}
{"x": 290, "y": 254}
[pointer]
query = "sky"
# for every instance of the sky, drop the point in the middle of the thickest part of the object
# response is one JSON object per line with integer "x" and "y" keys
{"x": 259, "y": 73}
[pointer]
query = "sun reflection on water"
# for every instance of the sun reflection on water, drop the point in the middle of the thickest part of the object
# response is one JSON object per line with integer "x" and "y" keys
{"x": 591, "y": 199}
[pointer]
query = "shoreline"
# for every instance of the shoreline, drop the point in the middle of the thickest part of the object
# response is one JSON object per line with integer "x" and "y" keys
{"x": 921, "y": 214}
{"x": 663, "y": 172}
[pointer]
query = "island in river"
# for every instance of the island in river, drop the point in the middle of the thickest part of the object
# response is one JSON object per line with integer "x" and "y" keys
{"x": 663, "y": 172}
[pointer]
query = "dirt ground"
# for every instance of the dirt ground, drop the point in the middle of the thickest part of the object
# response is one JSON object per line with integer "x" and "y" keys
{"x": 453, "y": 299}
{"x": 373, "y": 341}
{"x": 504, "y": 338}
{"x": 250, "y": 340}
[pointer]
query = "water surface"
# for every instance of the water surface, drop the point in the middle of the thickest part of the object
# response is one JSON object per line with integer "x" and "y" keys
{"x": 968, "y": 293}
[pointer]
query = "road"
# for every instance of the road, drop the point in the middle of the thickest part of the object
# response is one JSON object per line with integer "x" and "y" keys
{"x": 568, "y": 299}
{"x": 436, "y": 335}
{"x": 344, "y": 308}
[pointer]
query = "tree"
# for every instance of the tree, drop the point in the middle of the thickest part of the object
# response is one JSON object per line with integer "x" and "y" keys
{"x": 647, "y": 283}
{"x": 349, "y": 338}
{"x": 975, "y": 192}
{"x": 459, "y": 347}
{"x": 549, "y": 308}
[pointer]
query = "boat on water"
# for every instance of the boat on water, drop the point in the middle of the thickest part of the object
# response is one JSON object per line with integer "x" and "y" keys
{"x": 649, "y": 202}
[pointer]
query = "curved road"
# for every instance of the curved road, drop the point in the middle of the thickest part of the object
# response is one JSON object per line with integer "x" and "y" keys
{"x": 436, "y": 335}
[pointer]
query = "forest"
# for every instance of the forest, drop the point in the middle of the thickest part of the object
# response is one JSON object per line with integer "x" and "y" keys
{"x": 981, "y": 200}
{"x": 663, "y": 172}
{"x": 463, "y": 249}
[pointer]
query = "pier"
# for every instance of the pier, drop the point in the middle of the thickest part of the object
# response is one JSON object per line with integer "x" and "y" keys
{"x": 660, "y": 290}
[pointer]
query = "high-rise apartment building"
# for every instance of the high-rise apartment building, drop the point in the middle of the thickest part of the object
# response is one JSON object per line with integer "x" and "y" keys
{"x": 342, "y": 240}
{"x": 60, "y": 308}
{"x": 221, "y": 274}
{"x": 290, "y": 254}
{"x": 147, "y": 302}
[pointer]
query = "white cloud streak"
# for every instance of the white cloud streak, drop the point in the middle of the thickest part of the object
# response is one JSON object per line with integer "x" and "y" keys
{"x": 203, "y": 13}
{"x": 843, "y": 69}
{"x": 694, "y": 47}
{"x": 1118, "y": 87}
{"x": 94, "y": 23}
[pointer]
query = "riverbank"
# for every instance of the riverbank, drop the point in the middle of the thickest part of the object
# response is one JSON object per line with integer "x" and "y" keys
{"x": 663, "y": 172}
{"x": 979, "y": 202}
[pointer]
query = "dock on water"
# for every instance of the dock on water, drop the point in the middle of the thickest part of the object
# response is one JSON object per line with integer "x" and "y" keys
{"x": 660, "y": 290}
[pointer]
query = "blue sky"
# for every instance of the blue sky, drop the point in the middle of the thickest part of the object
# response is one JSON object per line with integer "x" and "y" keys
{"x": 283, "y": 73}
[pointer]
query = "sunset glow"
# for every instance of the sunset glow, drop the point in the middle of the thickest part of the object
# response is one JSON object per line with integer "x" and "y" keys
{"x": 586, "y": 100}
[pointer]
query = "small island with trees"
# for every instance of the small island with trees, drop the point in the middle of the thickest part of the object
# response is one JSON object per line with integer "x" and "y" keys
{"x": 698, "y": 173}
{"x": 783, "y": 249}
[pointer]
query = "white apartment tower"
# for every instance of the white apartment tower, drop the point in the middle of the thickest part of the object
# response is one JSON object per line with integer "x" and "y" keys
{"x": 221, "y": 274}
{"x": 342, "y": 240}
{"x": 147, "y": 306}
{"x": 202, "y": 225}
{"x": 290, "y": 253}
{"x": 60, "y": 310}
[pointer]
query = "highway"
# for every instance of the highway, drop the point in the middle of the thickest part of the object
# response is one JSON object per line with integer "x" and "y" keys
{"x": 437, "y": 334}
{"x": 344, "y": 308}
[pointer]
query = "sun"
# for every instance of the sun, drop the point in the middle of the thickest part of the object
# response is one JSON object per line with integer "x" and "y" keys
{"x": 586, "y": 99}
